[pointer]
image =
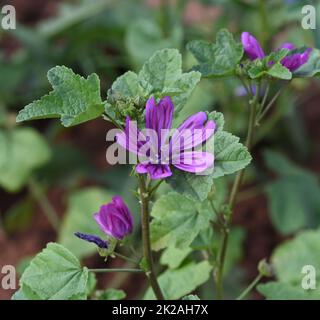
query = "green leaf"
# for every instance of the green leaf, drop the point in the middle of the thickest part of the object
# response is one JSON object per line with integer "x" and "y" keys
{"x": 74, "y": 99}
{"x": 144, "y": 37}
{"x": 288, "y": 261}
{"x": 79, "y": 217}
{"x": 177, "y": 221}
{"x": 217, "y": 59}
{"x": 294, "y": 197}
{"x": 111, "y": 294}
{"x": 270, "y": 66}
{"x": 311, "y": 68}
{"x": 192, "y": 186}
{"x": 173, "y": 257}
{"x": 230, "y": 156}
{"x": 191, "y": 297}
{"x": 163, "y": 74}
{"x": 126, "y": 86}
{"x": 160, "y": 76}
{"x": 179, "y": 282}
{"x": 16, "y": 161}
{"x": 208, "y": 240}
{"x": 280, "y": 72}
{"x": 284, "y": 291}
{"x": 54, "y": 274}
{"x": 91, "y": 284}
{"x": 276, "y": 71}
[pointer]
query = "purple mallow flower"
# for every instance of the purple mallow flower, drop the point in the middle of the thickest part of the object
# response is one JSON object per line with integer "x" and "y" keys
{"x": 115, "y": 218}
{"x": 92, "y": 238}
{"x": 166, "y": 149}
{"x": 292, "y": 61}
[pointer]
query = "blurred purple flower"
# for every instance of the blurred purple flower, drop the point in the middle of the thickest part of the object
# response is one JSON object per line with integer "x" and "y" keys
{"x": 92, "y": 238}
{"x": 292, "y": 61}
{"x": 296, "y": 60}
{"x": 167, "y": 149}
{"x": 115, "y": 218}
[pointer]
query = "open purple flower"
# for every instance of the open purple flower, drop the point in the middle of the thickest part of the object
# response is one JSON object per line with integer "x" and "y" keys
{"x": 115, "y": 218}
{"x": 166, "y": 149}
{"x": 292, "y": 61}
{"x": 92, "y": 238}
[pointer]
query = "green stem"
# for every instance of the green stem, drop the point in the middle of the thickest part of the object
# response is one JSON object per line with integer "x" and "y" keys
{"x": 44, "y": 203}
{"x": 246, "y": 87}
{"x": 221, "y": 259}
{"x": 265, "y": 97}
{"x": 250, "y": 287}
{"x": 270, "y": 104}
{"x": 155, "y": 187}
{"x": 232, "y": 198}
{"x": 116, "y": 270}
{"x": 144, "y": 198}
{"x": 125, "y": 258}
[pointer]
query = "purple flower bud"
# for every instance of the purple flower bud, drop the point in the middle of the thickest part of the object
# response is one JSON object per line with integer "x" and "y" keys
{"x": 92, "y": 238}
{"x": 251, "y": 46}
{"x": 115, "y": 218}
{"x": 296, "y": 60}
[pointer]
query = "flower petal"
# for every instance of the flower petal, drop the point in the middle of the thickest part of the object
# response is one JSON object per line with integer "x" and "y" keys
{"x": 115, "y": 218}
{"x": 193, "y": 132}
{"x": 288, "y": 45}
{"x": 92, "y": 238}
{"x": 194, "y": 161}
{"x": 156, "y": 171}
{"x": 159, "y": 116}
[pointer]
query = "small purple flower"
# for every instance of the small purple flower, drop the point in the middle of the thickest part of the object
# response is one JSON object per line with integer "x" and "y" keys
{"x": 92, "y": 238}
{"x": 254, "y": 51}
{"x": 115, "y": 218}
{"x": 194, "y": 131}
{"x": 252, "y": 46}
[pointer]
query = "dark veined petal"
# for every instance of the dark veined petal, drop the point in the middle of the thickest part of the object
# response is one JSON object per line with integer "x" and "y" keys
{"x": 159, "y": 116}
{"x": 156, "y": 171}
{"x": 193, "y": 131}
{"x": 194, "y": 161}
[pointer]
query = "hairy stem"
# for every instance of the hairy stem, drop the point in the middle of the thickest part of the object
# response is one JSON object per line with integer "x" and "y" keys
{"x": 128, "y": 259}
{"x": 250, "y": 287}
{"x": 116, "y": 270}
{"x": 144, "y": 198}
{"x": 232, "y": 199}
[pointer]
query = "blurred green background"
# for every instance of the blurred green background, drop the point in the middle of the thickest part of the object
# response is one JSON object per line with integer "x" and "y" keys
{"x": 55, "y": 175}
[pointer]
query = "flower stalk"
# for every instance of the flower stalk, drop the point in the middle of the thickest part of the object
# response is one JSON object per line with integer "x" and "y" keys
{"x": 145, "y": 227}
{"x": 116, "y": 270}
{"x": 233, "y": 196}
